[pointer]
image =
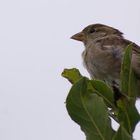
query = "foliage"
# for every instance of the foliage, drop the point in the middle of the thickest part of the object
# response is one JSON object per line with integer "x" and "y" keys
{"x": 91, "y": 103}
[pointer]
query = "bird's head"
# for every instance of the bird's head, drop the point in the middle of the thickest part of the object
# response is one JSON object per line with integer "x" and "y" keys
{"x": 94, "y": 32}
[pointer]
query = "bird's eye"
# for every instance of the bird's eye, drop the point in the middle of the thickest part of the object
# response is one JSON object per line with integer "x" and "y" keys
{"x": 92, "y": 31}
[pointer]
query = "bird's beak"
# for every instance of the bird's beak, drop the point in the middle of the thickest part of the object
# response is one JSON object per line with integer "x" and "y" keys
{"x": 79, "y": 36}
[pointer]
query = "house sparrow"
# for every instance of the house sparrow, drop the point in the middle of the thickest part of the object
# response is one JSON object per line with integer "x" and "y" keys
{"x": 104, "y": 48}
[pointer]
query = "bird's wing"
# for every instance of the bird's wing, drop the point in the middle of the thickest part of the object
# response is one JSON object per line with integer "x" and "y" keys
{"x": 118, "y": 45}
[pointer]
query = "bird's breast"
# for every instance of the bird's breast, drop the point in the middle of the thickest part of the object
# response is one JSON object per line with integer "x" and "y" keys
{"x": 101, "y": 64}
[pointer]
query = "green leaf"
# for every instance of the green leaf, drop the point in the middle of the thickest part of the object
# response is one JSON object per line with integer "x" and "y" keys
{"x": 73, "y": 75}
{"x": 128, "y": 79}
{"x": 104, "y": 91}
{"x": 122, "y": 134}
{"x": 89, "y": 111}
{"x": 98, "y": 86}
{"x": 128, "y": 115}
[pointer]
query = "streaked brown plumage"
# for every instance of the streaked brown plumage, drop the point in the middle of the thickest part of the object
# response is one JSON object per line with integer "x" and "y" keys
{"x": 104, "y": 48}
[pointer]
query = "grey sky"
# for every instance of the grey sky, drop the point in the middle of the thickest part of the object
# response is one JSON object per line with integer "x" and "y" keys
{"x": 35, "y": 48}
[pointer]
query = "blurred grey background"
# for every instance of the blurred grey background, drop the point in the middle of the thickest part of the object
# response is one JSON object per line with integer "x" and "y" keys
{"x": 35, "y": 48}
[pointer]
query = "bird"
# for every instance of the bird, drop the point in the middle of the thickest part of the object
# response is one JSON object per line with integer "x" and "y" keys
{"x": 103, "y": 53}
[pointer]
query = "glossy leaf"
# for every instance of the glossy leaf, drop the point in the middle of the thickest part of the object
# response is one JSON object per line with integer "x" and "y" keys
{"x": 89, "y": 111}
{"x": 127, "y": 112}
{"x": 98, "y": 86}
{"x": 128, "y": 79}
{"x": 128, "y": 115}
{"x": 104, "y": 91}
